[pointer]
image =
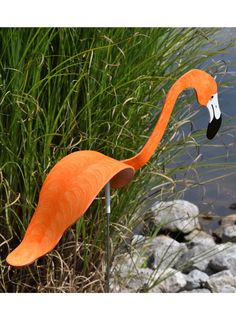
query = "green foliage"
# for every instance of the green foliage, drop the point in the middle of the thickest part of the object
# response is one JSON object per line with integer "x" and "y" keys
{"x": 69, "y": 89}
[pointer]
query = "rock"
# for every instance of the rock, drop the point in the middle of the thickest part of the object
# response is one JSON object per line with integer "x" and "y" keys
{"x": 138, "y": 229}
{"x": 137, "y": 240}
{"x": 129, "y": 272}
{"x": 171, "y": 281}
{"x": 229, "y": 220}
{"x": 143, "y": 279}
{"x": 176, "y": 216}
{"x": 217, "y": 233}
{"x": 198, "y": 237}
{"x": 225, "y": 259}
{"x": 163, "y": 252}
{"x": 232, "y": 206}
{"x": 135, "y": 282}
{"x": 125, "y": 264}
{"x": 197, "y": 291}
{"x": 158, "y": 253}
{"x": 222, "y": 282}
{"x": 197, "y": 257}
{"x": 227, "y": 231}
{"x": 229, "y": 234}
{"x": 196, "y": 279}
{"x": 228, "y": 289}
{"x": 162, "y": 264}
{"x": 139, "y": 280}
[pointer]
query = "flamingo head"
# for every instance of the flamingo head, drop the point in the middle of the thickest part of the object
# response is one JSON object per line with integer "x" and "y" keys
{"x": 206, "y": 89}
{"x": 215, "y": 116}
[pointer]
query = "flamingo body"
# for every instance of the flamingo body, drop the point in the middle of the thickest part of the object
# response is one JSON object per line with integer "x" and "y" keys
{"x": 67, "y": 192}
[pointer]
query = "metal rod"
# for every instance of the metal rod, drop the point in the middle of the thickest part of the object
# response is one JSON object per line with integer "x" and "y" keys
{"x": 108, "y": 197}
{"x": 108, "y": 211}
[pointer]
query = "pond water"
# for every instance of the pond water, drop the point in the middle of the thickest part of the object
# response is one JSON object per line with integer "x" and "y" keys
{"x": 210, "y": 195}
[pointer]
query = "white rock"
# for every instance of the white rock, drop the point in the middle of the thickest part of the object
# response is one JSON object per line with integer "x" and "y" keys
{"x": 164, "y": 252}
{"x": 137, "y": 239}
{"x": 196, "y": 279}
{"x": 178, "y": 215}
{"x": 135, "y": 280}
{"x": 228, "y": 220}
{"x": 227, "y": 231}
{"x": 228, "y": 289}
{"x": 222, "y": 282}
{"x": 198, "y": 257}
{"x": 125, "y": 264}
{"x": 147, "y": 280}
{"x": 225, "y": 259}
{"x": 229, "y": 234}
{"x": 139, "y": 280}
{"x": 197, "y": 291}
{"x": 170, "y": 281}
{"x": 199, "y": 237}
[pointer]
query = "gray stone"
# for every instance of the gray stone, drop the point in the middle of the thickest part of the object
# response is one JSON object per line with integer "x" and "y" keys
{"x": 137, "y": 239}
{"x": 218, "y": 233}
{"x": 229, "y": 220}
{"x": 228, "y": 289}
{"x": 196, "y": 279}
{"x": 170, "y": 281}
{"x": 157, "y": 253}
{"x": 227, "y": 231}
{"x": 176, "y": 216}
{"x": 139, "y": 279}
{"x": 135, "y": 281}
{"x": 225, "y": 259}
{"x": 197, "y": 291}
{"x": 198, "y": 257}
{"x": 199, "y": 237}
{"x": 229, "y": 234}
{"x": 147, "y": 280}
{"x": 163, "y": 252}
{"x": 125, "y": 264}
{"x": 222, "y": 282}
{"x": 129, "y": 272}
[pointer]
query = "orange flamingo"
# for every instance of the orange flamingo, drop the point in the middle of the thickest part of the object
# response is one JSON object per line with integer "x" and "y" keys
{"x": 76, "y": 179}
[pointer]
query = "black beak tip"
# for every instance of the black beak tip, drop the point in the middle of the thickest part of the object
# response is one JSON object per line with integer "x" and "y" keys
{"x": 213, "y": 127}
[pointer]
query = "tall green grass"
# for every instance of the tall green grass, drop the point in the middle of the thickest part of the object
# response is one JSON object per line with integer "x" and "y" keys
{"x": 69, "y": 89}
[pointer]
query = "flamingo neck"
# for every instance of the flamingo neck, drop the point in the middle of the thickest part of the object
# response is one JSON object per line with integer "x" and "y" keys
{"x": 149, "y": 148}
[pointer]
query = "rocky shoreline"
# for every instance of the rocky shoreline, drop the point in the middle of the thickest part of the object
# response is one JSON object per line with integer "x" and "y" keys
{"x": 170, "y": 253}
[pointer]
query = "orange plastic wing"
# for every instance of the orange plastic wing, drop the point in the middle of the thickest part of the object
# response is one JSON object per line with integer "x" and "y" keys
{"x": 66, "y": 194}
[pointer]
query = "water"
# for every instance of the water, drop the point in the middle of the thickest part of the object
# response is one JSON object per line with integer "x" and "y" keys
{"x": 216, "y": 197}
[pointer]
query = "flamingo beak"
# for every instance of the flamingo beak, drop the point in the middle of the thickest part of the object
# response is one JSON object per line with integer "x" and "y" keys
{"x": 215, "y": 117}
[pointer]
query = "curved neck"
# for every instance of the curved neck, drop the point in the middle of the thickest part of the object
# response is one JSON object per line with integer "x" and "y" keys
{"x": 149, "y": 148}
